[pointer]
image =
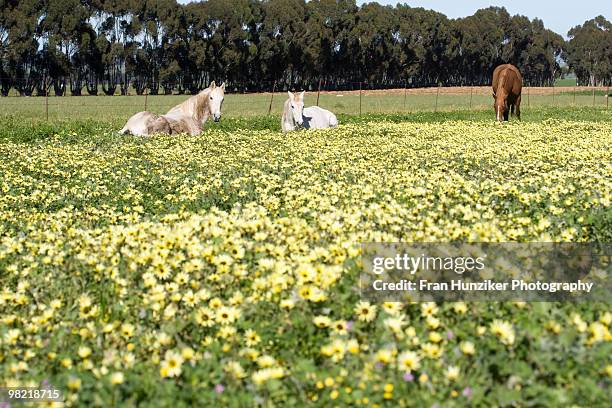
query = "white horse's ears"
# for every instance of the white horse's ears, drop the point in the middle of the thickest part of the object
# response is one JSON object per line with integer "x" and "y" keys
{"x": 223, "y": 86}
{"x": 290, "y": 94}
{"x": 302, "y": 94}
{"x": 212, "y": 85}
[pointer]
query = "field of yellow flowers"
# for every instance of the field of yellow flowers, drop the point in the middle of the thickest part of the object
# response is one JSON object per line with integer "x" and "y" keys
{"x": 221, "y": 270}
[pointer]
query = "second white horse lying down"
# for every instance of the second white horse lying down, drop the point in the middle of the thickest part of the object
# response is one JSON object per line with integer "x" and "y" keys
{"x": 187, "y": 117}
{"x": 313, "y": 117}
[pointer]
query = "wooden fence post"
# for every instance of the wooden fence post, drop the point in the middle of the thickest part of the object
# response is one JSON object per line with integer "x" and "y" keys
{"x": 47, "y": 99}
{"x": 146, "y": 101}
{"x": 553, "y": 87}
{"x": 359, "y": 98}
{"x": 574, "y": 94}
{"x": 318, "y": 91}
{"x": 405, "y": 92}
{"x": 437, "y": 94}
{"x": 272, "y": 97}
{"x": 471, "y": 92}
{"x": 607, "y": 95}
{"x": 528, "y": 96}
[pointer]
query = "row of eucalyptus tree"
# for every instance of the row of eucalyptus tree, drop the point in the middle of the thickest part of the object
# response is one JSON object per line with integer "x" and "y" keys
{"x": 93, "y": 46}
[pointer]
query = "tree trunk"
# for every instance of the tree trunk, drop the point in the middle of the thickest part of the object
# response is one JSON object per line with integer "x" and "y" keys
{"x": 5, "y": 86}
{"x": 140, "y": 84}
{"x": 59, "y": 86}
{"x": 153, "y": 87}
{"x": 76, "y": 85}
{"x": 92, "y": 86}
{"x": 25, "y": 86}
{"x": 108, "y": 86}
{"x": 41, "y": 86}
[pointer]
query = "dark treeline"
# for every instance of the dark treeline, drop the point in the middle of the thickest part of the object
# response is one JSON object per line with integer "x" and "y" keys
{"x": 77, "y": 46}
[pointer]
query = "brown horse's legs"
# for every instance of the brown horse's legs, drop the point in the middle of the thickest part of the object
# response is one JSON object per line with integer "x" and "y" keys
{"x": 518, "y": 107}
{"x": 506, "y": 114}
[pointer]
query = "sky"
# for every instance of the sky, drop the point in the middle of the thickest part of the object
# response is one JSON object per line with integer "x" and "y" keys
{"x": 558, "y": 15}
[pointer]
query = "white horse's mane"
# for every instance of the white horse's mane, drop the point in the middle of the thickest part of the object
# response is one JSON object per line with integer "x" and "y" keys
{"x": 286, "y": 114}
{"x": 195, "y": 107}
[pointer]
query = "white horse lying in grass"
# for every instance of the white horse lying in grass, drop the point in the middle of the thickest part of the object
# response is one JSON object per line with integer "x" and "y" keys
{"x": 187, "y": 117}
{"x": 313, "y": 117}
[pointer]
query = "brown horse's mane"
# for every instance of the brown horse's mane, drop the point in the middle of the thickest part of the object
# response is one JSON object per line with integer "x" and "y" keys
{"x": 501, "y": 91}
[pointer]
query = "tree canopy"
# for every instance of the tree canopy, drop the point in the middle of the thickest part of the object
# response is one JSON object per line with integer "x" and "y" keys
{"x": 162, "y": 46}
{"x": 589, "y": 51}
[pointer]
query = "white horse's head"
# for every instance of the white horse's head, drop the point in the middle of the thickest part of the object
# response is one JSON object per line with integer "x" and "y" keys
{"x": 296, "y": 105}
{"x": 215, "y": 100}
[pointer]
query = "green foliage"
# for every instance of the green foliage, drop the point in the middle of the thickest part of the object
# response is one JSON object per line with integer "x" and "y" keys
{"x": 590, "y": 51}
{"x": 271, "y": 122}
{"x": 89, "y": 221}
{"x": 16, "y": 129}
{"x": 165, "y": 47}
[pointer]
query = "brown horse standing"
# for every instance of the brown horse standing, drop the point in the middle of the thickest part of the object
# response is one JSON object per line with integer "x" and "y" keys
{"x": 507, "y": 86}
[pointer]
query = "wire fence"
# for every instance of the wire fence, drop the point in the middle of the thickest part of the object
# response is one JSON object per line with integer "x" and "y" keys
{"x": 360, "y": 99}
